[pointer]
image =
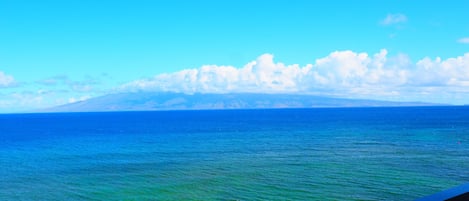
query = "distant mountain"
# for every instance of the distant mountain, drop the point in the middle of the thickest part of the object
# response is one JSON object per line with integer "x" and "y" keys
{"x": 144, "y": 101}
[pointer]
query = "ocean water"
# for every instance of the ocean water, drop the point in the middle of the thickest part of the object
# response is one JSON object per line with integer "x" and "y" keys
{"x": 283, "y": 154}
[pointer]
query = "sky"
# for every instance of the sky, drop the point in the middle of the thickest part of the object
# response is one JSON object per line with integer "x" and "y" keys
{"x": 58, "y": 52}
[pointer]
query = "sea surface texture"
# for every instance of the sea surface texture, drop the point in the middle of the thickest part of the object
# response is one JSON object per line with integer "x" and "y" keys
{"x": 292, "y": 154}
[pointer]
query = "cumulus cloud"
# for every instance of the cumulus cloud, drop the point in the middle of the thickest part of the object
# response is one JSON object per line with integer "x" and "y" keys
{"x": 6, "y": 80}
{"x": 391, "y": 19}
{"x": 464, "y": 40}
{"x": 341, "y": 73}
{"x": 263, "y": 74}
{"x": 452, "y": 72}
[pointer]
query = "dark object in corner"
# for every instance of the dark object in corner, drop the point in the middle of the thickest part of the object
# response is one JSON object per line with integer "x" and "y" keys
{"x": 462, "y": 197}
{"x": 458, "y": 193}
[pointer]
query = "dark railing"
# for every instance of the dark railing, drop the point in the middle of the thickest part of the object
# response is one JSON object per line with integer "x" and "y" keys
{"x": 459, "y": 193}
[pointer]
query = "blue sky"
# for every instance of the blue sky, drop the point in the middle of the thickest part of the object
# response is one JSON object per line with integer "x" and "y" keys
{"x": 55, "y": 52}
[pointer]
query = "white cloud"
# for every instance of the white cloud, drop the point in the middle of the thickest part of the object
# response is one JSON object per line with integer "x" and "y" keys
{"x": 452, "y": 72}
{"x": 82, "y": 98}
{"x": 347, "y": 73}
{"x": 464, "y": 40}
{"x": 20, "y": 101}
{"x": 30, "y": 100}
{"x": 394, "y": 19}
{"x": 341, "y": 73}
{"x": 6, "y": 80}
{"x": 55, "y": 90}
{"x": 261, "y": 75}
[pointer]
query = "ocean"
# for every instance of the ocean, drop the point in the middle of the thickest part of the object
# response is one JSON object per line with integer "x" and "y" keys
{"x": 400, "y": 153}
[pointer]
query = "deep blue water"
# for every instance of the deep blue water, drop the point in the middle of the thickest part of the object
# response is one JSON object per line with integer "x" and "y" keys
{"x": 283, "y": 154}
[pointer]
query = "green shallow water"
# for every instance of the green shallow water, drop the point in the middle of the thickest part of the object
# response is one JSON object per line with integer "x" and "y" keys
{"x": 309, "y": 154}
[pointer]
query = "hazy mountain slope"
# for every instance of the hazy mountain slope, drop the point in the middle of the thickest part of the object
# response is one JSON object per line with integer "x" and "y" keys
{"x": 177, "y": 101}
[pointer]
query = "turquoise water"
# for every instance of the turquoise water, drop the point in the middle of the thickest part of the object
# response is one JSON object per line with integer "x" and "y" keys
{"x": 295, "y": 154}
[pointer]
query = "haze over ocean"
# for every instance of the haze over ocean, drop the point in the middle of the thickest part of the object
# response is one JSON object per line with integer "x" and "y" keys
{"x": 283, "y": 154}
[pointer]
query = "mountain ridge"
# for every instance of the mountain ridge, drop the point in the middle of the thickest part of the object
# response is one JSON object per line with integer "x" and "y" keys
{"x": 151, "y": 101}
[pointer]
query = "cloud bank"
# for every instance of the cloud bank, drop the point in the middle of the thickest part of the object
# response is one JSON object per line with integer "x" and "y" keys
{"x": 48, "y": 92}
{"x": 6, "y": 80}
{"x": 341, "y": 73}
